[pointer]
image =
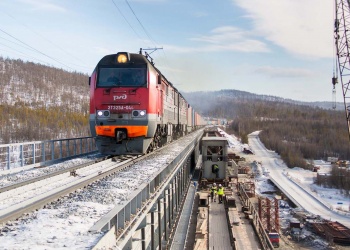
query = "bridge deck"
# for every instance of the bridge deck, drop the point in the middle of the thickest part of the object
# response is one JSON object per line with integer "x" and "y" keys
{"x": 244, "y": 233}
{"x": 219, "y": 237}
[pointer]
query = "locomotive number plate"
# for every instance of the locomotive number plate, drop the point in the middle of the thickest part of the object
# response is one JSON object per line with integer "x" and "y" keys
{"x": 127, "y": 107}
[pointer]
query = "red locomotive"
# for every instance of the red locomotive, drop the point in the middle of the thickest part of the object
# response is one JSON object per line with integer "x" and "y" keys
{"x": 134, "y": 108}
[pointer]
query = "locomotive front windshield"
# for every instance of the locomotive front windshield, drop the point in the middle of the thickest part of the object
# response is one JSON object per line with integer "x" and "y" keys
{"x": 122, "y": 77}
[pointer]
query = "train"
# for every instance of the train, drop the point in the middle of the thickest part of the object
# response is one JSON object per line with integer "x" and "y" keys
{"x": 134, "y": 109}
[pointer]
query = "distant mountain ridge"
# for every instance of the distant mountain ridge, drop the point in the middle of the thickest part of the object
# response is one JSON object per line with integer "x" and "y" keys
{"x": 196, "y": 99}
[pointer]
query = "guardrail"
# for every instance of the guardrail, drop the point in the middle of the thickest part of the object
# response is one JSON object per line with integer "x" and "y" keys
{"x": 146, "y": 219}
{"x": 43, "y": 152}
{"x": 256, "y": 222}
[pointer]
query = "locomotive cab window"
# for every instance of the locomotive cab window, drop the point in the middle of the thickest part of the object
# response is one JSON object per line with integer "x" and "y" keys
{"x": 122, "y": 77}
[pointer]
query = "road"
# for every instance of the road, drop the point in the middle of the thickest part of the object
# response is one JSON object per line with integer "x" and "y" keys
{"x": 301, "y": 197}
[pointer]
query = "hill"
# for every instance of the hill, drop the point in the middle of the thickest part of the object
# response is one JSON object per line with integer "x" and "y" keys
{"x": 42, "y": 103}
{"x": 295, "y": 130}
{"x": 196, "y": 99}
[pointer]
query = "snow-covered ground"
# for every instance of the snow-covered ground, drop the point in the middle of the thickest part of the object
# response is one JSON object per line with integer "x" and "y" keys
{"x": 64, "y": 224}
{"x": 267, "y": 163}
{"x": 305, "y": 178}
{"x": 20, "y": 174}
{"x": 332, "y": 197}
{"x": 262, "y": 181}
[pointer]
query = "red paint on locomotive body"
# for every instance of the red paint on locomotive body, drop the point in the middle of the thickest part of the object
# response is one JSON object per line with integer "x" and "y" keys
{"x": 133, "y": 108}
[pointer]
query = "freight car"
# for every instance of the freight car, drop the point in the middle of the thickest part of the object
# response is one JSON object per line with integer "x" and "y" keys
{"x": 134, "y": 108}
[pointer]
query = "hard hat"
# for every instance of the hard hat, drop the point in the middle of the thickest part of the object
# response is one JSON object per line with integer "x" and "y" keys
{"x": 219, "y": 185}
{"x": 214, "y": 184}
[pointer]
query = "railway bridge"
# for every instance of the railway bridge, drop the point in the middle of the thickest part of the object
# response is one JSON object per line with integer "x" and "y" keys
{"x": 147, "y": 218}
{"x": 160, "y": 213}
{"x": 144, "y": 219}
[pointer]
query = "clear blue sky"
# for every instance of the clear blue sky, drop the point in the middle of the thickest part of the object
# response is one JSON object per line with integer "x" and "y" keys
{"x": 273, "y": 47}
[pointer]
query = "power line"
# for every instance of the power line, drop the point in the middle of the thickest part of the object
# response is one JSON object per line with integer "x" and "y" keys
{"x": 144, "y": 29}
{"x": 22, "y": 53}
{"x": 35, "y": 49}
{"x": 25, "y": 55}
{"x": 18, "y": 44}
{"x": 149, "y": 36}
{"x": 48, "y": 41}
{"x": 121, "y": 13}
{"x": 26, "y": 47}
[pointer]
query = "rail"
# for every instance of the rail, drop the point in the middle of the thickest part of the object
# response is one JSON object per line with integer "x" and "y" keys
{"x": 43, "y": 152}
{"x": 41, "y": 199}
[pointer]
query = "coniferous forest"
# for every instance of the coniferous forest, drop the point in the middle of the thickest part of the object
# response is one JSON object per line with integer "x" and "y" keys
{"x": 38, "y": 102}
{"x": 299, "y": 133}
{"x": 295, "y": 131}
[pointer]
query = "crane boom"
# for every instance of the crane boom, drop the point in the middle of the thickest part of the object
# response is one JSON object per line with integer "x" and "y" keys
{"x": 342, "y": 42}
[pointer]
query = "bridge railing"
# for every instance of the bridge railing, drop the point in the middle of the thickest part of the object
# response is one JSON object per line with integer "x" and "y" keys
{"x": 43, "y": 152}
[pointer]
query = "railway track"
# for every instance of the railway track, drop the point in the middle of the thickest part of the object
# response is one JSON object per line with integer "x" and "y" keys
{"x": 35, "y": 193}
{"x": 43, "y": 176}
{"x": 67, "y": 216}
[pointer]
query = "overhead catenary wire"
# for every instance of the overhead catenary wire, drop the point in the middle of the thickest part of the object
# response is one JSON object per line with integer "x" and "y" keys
{"x": 18, "y": 44}
{"x": 21, "y": 52}
{"x": 52, "y": 43}
{"x": 146, "y": 32}
{"x": 126, "y": 20}
{"x": 38, "y": 51}
{"x": 25, "y": 45}
{"x": 24, "y": 55}
{"x": 144, "y": 29}
{"x": 151, "y": 39}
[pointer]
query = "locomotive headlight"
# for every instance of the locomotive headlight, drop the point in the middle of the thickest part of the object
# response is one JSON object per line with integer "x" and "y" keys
{"x": 103, "y": 113}
{"x": 122, "y": 58}
{"x": 138, "y": 113}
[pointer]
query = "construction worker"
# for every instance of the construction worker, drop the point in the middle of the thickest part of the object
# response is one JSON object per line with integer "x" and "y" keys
{"x": 215, "y": 170}
{"x": 220, "y": 193}
{"x": 213, "y": 192}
